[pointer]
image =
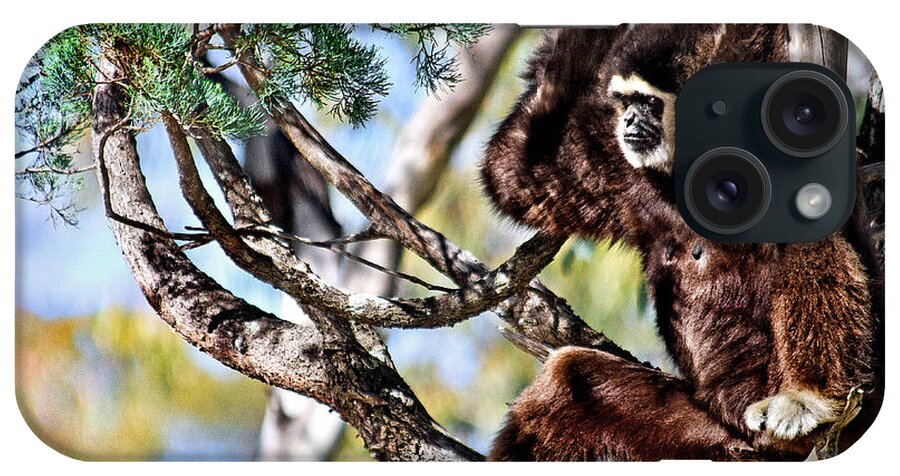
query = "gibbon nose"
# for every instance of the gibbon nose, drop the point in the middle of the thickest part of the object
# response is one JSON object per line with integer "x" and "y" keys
{"x": 638, "y": 127}
{"x": 630, "y": 117}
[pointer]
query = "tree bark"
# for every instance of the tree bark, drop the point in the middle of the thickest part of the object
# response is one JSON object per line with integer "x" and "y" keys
{"x": 819, "y": 45}
{"x": 295, "y": 428}
{"x": 340, "y": 360}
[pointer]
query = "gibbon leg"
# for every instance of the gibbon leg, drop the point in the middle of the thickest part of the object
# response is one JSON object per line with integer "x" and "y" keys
{"x": 588, "y": 405}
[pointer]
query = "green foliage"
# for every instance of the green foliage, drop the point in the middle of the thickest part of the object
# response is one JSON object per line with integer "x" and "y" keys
{"x": 53, "y": 102}
{"x": 322, "y": 64}
{"x": 52, "y": 111}
{"x": 64, "y": 367}
{"x": 163, "y": 78}
{"x": 435, "y": 66}
{"x": 326, "y": 65}
{"x": 66, "y": 77}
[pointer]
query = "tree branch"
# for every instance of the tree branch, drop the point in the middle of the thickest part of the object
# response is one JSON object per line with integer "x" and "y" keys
{"x": 297, "y": 197}
{"x": 273, "y": 262}
{"x": 103, "y": 176}
{"x": 359, "y": 384}
{"x": 816, "y": 44}
{"x": 49, "y": 142}
{"x": 551, "y": 322}
{"x": 335, "y": 246}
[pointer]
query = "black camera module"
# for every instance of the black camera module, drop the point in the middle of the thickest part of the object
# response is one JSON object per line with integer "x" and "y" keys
{"x": 727, "y": 190}
{"x": 778, "y": 165}
{"x": 804, "y": 113}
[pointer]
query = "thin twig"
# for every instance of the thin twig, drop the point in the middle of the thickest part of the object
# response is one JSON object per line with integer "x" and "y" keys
{"x": 205, "y": 33}
{"x": 268, "y": 230}
{"x": 56, "y": 170}
{"x": 198, "y": 242}
{"x": 414, "y": 29}
{"x": 397, "y": 274}
{"x": 335, "y": 245}
{"x": 113, "y": 81}
{"x": 217, "y": 69}
{"x": 366, "y": 235}
{"x": 526, "y": 344}
{"x": 56, "y": 212}
{"x": 63, "y": 132}
{"x": 199, "y": 41}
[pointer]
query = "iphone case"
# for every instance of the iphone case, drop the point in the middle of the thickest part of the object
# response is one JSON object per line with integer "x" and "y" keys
{"x": 340, "y": 217}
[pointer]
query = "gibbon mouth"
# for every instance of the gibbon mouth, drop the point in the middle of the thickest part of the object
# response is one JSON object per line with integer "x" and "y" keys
{"x": 641, "y": 142}
{"x": 639, "y": 138}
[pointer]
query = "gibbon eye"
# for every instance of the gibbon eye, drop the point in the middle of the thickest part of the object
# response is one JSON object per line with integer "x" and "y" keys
{"x": 652, "y": 100}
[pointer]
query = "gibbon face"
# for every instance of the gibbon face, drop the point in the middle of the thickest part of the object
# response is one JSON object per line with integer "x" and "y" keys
{"x": 645, "y": 128}
{"x": 644, "y": 72}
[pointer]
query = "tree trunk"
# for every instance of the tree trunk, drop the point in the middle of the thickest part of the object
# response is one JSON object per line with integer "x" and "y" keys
{"x": 820, "y": 45}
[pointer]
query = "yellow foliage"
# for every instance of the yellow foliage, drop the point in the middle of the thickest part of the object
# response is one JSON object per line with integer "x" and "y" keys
{"x": 112, "y": 385}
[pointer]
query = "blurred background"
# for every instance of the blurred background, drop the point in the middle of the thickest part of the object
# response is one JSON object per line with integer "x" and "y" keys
{"x": 99, "y": 376}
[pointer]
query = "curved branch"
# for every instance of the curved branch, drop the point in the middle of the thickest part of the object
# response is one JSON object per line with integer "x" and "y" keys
{"x": 273, "y": 262}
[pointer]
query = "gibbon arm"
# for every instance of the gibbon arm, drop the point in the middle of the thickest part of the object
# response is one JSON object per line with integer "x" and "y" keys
{"x": 822, "y": 334}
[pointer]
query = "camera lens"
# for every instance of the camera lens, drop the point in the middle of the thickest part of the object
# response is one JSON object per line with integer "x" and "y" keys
{"x": 727, "y": 190}
{"x": 804, "y": 113}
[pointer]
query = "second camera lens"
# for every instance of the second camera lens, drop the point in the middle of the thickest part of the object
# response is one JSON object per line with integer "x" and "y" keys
{"x": 804, "y": 113}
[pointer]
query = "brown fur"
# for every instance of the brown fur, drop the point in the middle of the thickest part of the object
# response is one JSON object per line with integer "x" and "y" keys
{"x": 744, "y": 323}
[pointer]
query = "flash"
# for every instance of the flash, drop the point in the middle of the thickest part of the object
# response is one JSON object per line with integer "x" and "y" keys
{"x": 813, "y": 201}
